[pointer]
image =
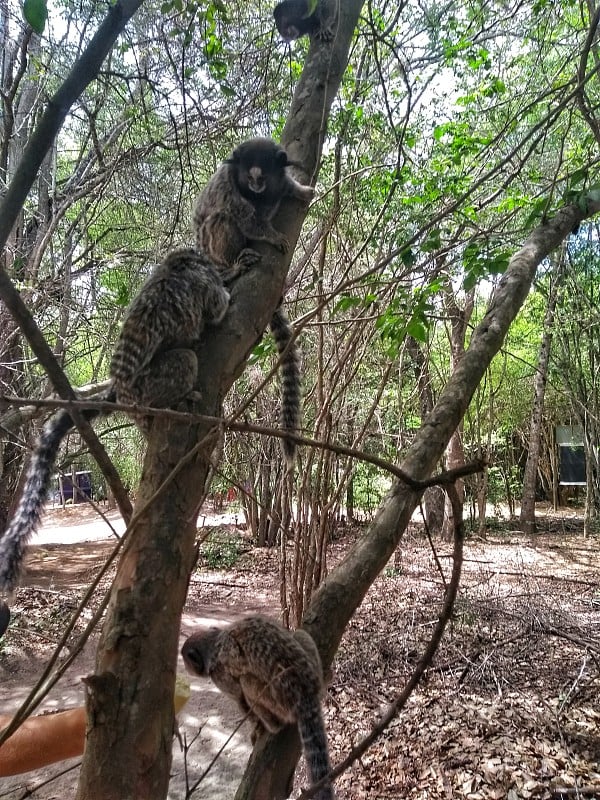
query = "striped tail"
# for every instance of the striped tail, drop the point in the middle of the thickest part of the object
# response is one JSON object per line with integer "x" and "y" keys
{"x": 29, "y": 511}
{"x": 290, "y": 380}
{"x": 314, "y": 741}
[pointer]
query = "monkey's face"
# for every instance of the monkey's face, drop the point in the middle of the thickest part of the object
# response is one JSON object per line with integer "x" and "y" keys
{"x": 259, "y": 169}
{"x": 255, "y": 179}
{"x": 197, "y": 649}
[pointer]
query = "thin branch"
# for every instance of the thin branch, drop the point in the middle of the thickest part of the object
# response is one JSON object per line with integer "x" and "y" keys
{"x": 444, "y": 478}
{"x": 581, "y": 98}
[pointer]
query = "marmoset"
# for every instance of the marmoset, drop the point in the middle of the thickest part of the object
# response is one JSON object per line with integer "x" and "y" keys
{"x": 274, "y": 675}
{"x": 153, "y": 365}
{"x": 296, "y": 18}
{"x": 235, "y": 209}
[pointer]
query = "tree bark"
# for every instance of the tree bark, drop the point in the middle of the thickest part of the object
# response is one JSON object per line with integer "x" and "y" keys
{"x": 535, "y": 426}
{"x": 130, "y": 697}
{"x": 455, "y": 452}
{"x": 345, "y": 587}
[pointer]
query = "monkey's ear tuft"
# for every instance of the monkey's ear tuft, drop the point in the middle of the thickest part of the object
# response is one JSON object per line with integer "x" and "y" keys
{"x": 234, "y": 158}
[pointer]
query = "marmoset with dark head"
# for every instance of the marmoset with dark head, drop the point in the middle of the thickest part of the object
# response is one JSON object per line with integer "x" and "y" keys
{"x": 235, "y": 209}
{"x": 296, "y": 18}
{"x": 153, "y": 364}
{"x": 274, "y": 675}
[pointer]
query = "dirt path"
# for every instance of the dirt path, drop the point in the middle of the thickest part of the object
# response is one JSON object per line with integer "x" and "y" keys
{"x": 509, "y": 709}
{"x": 68, "y": 550}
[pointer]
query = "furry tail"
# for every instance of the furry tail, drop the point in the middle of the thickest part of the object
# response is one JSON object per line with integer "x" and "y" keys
{"x": 314, "y": 741}
{"x": 29, "y": 511}
{"x": 290, "y": 379}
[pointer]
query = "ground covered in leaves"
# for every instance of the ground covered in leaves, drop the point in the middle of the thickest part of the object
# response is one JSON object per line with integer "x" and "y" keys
{"x": 509, "y": 709}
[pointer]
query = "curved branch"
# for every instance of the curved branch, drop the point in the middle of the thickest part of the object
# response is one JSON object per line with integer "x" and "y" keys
{"x": 427, "y": 657}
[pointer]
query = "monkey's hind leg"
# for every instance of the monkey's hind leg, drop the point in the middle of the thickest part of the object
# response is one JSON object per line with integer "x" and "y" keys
{"x": 169, "y": 378}
{"x": 268, "y": 711}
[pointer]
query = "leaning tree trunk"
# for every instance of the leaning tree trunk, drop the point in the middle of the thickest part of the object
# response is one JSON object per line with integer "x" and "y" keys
{"x": 345, "y": 587}
{"x": 537, "y": 412}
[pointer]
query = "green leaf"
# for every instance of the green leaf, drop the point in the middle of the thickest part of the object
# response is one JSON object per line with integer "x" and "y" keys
{"x": 433, "y": 241}
{"x": 417, "y": 329}
{"x": 346, "y": 302}
{"x": 408, "y": 257}
{"x": 36, "y": 14}
{"x": 594, "y": 195}
{"x": 470, "y": 280}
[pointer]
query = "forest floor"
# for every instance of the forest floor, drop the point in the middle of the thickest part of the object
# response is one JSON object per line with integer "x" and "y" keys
{"x": 509, "y": 709}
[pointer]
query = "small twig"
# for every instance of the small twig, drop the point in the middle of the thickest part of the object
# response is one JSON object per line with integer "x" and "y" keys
{"x": 190, "y": 791}
{"x": 432, "y": 546}
{"x": 28, "y": 791}
{"x": 574, "y": 790}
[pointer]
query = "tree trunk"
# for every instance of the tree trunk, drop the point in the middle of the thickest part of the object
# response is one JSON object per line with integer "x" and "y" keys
{"x": 434, "y": 498}
{"x": 537, "y": 413}
{"x": 455, "y": 453}
{"x": 344, "y": 588}
{"x": 130, "y": 697}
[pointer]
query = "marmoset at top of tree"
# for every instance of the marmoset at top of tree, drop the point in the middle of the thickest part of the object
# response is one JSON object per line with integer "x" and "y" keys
{"x": 296, "y": 18}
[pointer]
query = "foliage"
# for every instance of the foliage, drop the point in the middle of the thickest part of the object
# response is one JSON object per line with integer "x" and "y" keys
{"x": 441, "y": 161}
{"x": 221, "y": 549}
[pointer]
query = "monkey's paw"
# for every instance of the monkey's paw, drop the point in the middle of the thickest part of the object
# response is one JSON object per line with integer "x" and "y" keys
{"x": 308, "y": 192}
{"x": 282, "y": 243}
{"x": 248, "y": 258}
{"x": 325, "y": 34}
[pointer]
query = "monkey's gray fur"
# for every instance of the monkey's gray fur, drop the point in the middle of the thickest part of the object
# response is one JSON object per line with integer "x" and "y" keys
{"x": 274, "y": 675}
{"x": 236, "y": 208}
{"x": 152, "y": 365}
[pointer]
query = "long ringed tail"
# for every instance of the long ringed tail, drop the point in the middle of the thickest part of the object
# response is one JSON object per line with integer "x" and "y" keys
{"x": 29, "y": 511}
{"x": 290, "y": 379}
{"x": 314, "y": 742}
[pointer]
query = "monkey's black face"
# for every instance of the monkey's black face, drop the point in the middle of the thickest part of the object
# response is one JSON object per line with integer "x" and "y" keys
{"x": 259, "y": 170}
{"x": 192, "y": 656}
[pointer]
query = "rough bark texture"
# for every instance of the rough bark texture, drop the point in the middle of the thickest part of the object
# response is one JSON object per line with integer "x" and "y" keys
{"x": 537, "y": 413}
{"x": 128, "y": 752}
{"x": 130, "y": 696}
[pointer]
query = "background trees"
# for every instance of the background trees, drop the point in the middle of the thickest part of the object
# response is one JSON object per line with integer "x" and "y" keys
{"x": 458, "y": 134}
